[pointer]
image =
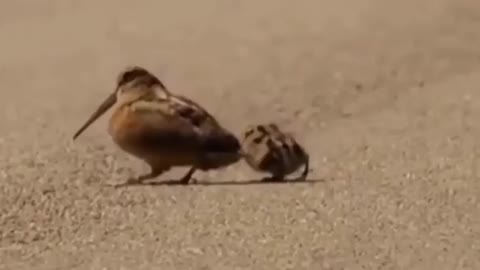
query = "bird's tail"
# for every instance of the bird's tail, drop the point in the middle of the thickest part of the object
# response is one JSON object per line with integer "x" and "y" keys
{"x": 221, "y": 142}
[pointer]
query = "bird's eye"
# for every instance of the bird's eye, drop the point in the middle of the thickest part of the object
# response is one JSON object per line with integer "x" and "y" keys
{"x": 127, "y": 77}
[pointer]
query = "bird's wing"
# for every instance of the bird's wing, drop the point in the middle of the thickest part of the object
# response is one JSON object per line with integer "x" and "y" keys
{"x": 168, "y": 125}
{"x": 158, "y": 126}
{"x": 198, "y": 115}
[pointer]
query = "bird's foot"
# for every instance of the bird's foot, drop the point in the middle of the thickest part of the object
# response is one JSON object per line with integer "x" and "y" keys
{"x": 130, "y": 182}
{"x": 272, "y": 179}
{"x": 186, "y": 180}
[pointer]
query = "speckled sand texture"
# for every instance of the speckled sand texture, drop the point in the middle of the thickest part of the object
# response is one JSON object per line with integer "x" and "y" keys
{"x": 384, "y": 94}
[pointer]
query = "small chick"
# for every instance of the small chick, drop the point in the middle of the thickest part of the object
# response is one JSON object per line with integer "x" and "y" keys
{"x": 268, "y": 149}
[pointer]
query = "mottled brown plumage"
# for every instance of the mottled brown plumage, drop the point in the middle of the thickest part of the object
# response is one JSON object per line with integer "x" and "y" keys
{"x": 163, "y": 129}
{"x": 266, "y": 148}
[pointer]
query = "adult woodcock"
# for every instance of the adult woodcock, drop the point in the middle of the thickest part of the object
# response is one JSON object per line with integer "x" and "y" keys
{"x": 163, "y": 129}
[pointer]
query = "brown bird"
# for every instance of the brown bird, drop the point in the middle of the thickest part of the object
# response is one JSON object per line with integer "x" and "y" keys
{"x": 163, "y": 129}
{"x": 266, "y": 148}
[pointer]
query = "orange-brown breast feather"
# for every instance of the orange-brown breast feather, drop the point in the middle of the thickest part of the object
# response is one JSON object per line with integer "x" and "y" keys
{"x": 153, "y": 126}
{"x": 163, "y": 126}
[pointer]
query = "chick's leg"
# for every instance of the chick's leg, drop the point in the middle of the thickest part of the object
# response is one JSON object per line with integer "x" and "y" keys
{"x": 306, "y": 169}
{"x": 278, "y": 175}
{"x": 274, "y": 178}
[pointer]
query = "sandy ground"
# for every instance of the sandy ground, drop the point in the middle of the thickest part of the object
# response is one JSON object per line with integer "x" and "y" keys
{"x": 384, "y": 95}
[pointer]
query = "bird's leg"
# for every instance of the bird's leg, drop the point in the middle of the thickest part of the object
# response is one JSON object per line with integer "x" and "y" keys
{"x": 185, "y": 179}
{"x": 154, "y": 172}
{"x": 140, "y": 179}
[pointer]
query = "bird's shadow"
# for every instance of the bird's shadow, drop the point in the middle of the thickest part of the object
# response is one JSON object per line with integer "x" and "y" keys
{"x": 230, "y": 182}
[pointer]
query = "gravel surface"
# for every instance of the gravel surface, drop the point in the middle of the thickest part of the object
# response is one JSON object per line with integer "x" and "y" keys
{"x": 383, "y": 94}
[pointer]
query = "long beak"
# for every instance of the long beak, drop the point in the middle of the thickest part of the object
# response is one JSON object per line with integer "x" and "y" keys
{"x": 107, "y": 104}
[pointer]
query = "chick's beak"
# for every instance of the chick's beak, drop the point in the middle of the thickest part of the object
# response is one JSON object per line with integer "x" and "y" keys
{"x": 107, "y": 104}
